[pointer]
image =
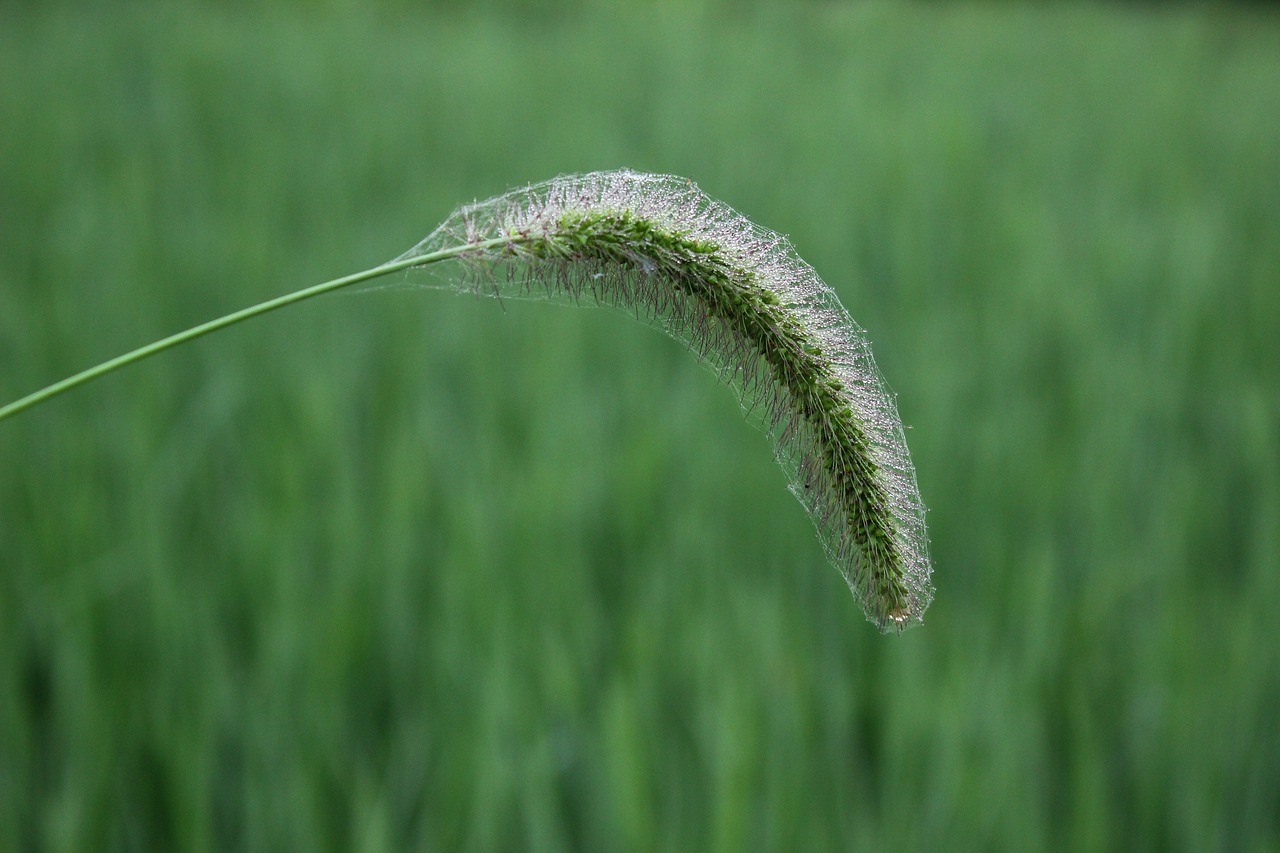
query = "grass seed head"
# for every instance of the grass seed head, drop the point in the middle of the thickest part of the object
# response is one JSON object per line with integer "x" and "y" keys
{"x": 747, "y": 304}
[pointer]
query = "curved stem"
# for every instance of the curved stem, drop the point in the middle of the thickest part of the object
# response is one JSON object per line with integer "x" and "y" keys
{"x": 239, "y": 316}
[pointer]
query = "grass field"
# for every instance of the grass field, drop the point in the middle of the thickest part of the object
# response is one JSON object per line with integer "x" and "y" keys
{"x": 402, "y": 570}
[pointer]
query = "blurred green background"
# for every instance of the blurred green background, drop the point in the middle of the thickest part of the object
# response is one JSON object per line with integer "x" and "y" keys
{"x": 403, "y": 570}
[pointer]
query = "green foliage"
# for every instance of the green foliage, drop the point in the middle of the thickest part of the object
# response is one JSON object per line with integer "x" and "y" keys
{"x": 341, "y": 578}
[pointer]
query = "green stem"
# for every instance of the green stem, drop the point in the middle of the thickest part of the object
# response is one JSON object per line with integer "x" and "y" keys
{"x": 244, "y": 314}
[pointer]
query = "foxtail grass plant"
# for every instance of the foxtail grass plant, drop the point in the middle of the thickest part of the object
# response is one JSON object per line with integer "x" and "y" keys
{"x": 741, "y": 299}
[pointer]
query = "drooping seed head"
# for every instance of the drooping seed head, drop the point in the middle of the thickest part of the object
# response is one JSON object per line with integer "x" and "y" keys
{"x": 746, "y": 303}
